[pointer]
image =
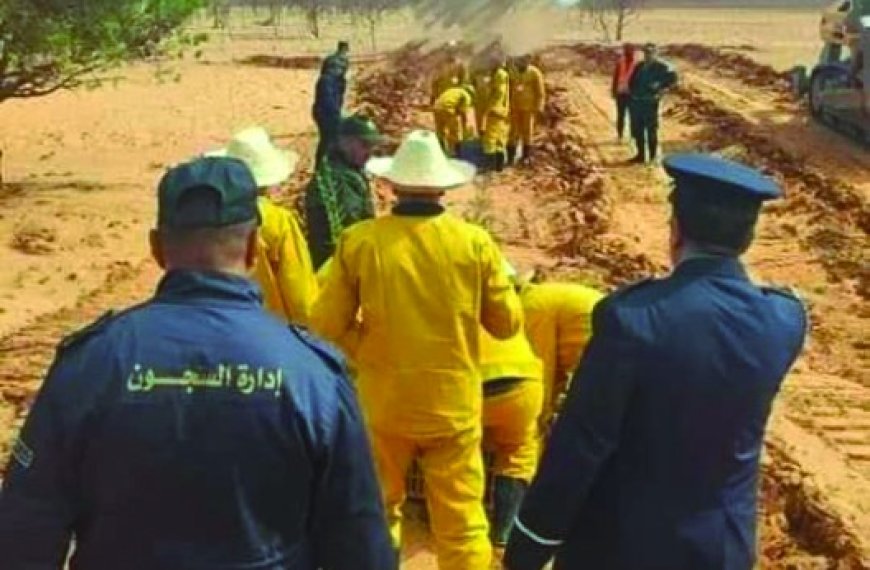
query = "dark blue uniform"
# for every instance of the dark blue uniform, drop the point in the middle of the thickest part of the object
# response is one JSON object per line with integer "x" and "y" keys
{"x": 654, "y": 462}
{"x": 194, "y": 432}
{"x": 328, "y": 104}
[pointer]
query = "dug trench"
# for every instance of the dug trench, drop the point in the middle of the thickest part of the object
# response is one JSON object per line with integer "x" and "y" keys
{"x": 577, "y": 213}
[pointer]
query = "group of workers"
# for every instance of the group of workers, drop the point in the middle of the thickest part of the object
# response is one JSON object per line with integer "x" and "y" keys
{"x": 506, "y": 96}
{"x": 211, "y": 427}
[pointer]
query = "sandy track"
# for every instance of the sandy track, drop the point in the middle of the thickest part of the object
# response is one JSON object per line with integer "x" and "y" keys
{"x": 826, "y": 399}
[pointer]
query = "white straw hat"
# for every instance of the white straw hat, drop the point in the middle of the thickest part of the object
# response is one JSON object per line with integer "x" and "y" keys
{"x": 421, "y": 166}
{"x": 269, "y": 164}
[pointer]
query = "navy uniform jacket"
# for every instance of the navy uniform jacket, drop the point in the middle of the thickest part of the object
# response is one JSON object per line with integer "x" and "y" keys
{"x": 194, "y": 432}
{"x": 653, "y": 464}
{"x": 329, "y": 99}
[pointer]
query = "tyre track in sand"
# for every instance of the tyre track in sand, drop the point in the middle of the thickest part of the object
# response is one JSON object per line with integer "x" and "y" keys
{"x": 826, "y": 400}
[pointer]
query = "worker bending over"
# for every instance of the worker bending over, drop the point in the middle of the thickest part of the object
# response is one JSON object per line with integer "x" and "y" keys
{"x": 654, "y": 460}
{"x": 423, "y": 282}
{"x": 496, "y": 115}
{"x": 513, "y": 392}
{"x": 283, "y": 268}
{"x": 339, "y": 194}
{"x": 558, "y": 324}
{"x": 650, "y": 80}
{"x": 527, "y": 100}
{"x": 451, "y": 117}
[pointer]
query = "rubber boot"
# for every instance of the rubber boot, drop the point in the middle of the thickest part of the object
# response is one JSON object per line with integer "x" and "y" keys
{"x": 527, "y": 154}
{"x": 508, "y": 495}
{"x": 499, "y": 161}
{"x": 653, "y": 141}
{"x": 511, "y": 154}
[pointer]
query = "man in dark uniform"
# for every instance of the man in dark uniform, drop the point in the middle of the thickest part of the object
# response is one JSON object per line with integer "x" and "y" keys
{"x": 650, "y": 79}
{"x": 653, "y": 463}
{"x": 195, "y": 431}
{"x": 339, "y": 195}
{"x": 329, "y": 99}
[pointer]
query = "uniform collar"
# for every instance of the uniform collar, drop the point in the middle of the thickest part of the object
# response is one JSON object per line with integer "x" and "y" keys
{"x": 715, "y": 265}
{"x": 188, "y": 285}
{"x": 418, "y": 209}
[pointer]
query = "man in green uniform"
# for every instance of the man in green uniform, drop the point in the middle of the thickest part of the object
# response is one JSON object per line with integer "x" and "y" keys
{"x": 651, "y": 78}
{"x": 339, "y": 195}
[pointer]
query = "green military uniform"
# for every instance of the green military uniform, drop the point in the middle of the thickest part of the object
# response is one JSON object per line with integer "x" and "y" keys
{"x": 649, "y": 80}
{"x": 339, "y": 195}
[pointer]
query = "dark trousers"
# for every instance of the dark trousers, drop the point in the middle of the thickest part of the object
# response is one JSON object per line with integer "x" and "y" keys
{"x": 645, "y": 127}
{"x": 622, "y": 101}
{"x": 327, "y": 132}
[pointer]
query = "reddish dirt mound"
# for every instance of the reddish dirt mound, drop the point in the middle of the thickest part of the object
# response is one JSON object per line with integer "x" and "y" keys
{"x": 293, "y": 62}
{"x": 735, "y": 65}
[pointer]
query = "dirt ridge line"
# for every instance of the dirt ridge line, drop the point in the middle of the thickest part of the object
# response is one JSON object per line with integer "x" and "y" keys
{"x": 25, "y": 353}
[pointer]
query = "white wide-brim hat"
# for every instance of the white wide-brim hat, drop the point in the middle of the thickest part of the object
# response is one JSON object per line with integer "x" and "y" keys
{"x": 420, "y": 166}
{"x": 269, "y": 164}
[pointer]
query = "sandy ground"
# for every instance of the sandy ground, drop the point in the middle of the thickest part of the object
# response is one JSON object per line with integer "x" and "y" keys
{"x": 81, "y": 169}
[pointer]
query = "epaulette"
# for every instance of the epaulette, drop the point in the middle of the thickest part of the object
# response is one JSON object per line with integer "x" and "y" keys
{"x": 86, "y": 332}
{"x": 330, "y": 355}
{"x": 631, "y": 287}
{"x": 783, "y": 291}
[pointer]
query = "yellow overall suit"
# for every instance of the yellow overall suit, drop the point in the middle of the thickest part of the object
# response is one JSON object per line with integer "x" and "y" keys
{"x": 496, "y": 115}
{"x": 283, "y": 268}
{"x": 421, "y": 283}
{"x": 513, "y": 393}
{"x": 558, "y": 326}
{"x": 481, "y": 80}
{"x": 451, "y": 74}
{"x": 450, "y": 111}
{"x": 528, "y": 95}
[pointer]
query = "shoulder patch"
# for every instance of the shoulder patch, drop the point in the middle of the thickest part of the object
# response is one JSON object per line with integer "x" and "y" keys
{"x": 330, "y": 355}
{"x": 631, "y": 287}
{"x": 782, "y": 291}
{"x": 88, "y": 331}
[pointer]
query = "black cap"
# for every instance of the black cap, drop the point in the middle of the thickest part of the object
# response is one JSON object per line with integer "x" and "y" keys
{"x": 361, "y": 127}
{"x": 209, "y": 192}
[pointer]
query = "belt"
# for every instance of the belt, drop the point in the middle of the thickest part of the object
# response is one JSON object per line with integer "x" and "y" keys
{"x": 500, "y": 386}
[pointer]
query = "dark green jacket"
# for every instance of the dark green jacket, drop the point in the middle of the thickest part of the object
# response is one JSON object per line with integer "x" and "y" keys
{"x": 650, "y": 79}
{"x": 337, "y": 197}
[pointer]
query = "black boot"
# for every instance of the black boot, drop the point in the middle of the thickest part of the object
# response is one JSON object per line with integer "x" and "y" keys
{"x": 508, "y": 495}
{"x": 511, "y": 154}
{"x": 527, "y": 153}
{"x": 653, "y": 141}
{"x": 499, "y": 161}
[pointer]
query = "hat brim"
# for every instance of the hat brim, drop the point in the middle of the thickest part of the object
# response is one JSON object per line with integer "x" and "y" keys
{"x": 274, "y": 169}
{"x": 458, "y": 173}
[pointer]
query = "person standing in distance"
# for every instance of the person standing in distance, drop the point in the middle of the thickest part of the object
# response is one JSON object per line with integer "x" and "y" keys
{"x": 649, "y": 81}
{"x": 195, "y": 431}
{"x": 653, "y": 463}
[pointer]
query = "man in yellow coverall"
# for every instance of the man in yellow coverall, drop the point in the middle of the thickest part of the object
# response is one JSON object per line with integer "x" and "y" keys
{"x": 451, "y": 116}
{"x": 496, "y": 115}
{"x": 451, "y": 73}
{"x": 283, "y": 268}
{"x": 419, "y": 283}
{"x": 513, "y": 394}
{"x": 528, "y": 96}
{"x": 558, "y": 324}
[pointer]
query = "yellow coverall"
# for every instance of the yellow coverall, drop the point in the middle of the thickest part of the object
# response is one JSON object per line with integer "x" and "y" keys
{"x": 558, "y": 325}
{"x": 496, "y": 114}
{"x": 450, "y": 111}
{"x": 423, "y": 284}
{"x": 481, "y": 80}
{"x": 283, "y": 268}
{"x": 528, "y": 95}
{"x": 451, "y": 74}
{"x": 510, "y": 418}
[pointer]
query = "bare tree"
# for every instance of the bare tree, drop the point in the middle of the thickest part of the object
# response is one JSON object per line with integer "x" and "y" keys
{"x": 372, "y": 13}
{"x": 612, "y": 17}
